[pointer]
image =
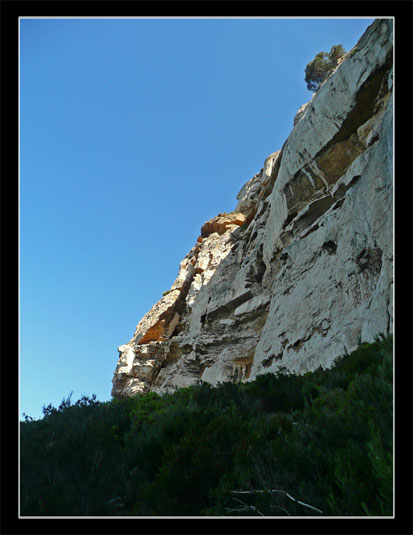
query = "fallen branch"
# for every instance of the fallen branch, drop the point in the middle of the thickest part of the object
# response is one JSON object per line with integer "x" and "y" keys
{"x": 237, "y": 510}
{"x": 276, "y": 491}
{"x": 248, "y": 506}
{"x": 282, "y": 509}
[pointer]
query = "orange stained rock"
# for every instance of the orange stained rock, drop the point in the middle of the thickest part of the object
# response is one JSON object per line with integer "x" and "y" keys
{"x": 222, "y": 222}
{"x": 155, "y": 333}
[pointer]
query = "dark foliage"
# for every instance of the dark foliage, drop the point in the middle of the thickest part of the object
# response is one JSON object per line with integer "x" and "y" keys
{"x": 324, "y": 439}
{"x": 321, "y": 66}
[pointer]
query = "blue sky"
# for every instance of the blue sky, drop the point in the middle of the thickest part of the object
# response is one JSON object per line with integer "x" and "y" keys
{"x": 133, "y": 133}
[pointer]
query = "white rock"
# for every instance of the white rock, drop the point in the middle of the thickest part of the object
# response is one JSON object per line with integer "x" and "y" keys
{"x": 310, "y": 272}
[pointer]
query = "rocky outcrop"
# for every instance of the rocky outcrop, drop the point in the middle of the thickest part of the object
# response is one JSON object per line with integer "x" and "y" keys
{"x": 303, "y": 269}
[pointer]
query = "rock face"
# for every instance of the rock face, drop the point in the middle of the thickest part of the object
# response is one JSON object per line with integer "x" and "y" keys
{"x": 303, "y": 268}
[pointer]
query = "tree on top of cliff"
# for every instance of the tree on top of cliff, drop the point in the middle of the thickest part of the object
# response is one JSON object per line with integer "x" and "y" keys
{"x": 321, "y": 66}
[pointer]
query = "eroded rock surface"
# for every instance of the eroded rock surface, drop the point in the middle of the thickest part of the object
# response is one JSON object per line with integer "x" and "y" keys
{"x": 303, "y": 269}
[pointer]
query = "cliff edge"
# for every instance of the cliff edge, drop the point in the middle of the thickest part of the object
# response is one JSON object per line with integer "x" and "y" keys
{"x": 303, "y": 268}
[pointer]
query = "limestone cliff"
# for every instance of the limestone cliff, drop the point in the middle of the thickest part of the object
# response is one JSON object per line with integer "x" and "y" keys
{"x": 303, "y": 268}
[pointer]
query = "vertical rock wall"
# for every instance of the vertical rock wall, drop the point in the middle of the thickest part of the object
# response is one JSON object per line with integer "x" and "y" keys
{"x": 303, "y": 269}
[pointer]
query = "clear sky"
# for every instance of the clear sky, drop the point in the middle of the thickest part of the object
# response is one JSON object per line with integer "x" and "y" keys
{"x": 133, "y": 133}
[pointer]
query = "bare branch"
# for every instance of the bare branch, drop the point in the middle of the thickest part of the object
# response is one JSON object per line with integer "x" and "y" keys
{"x": 248, "y": 506}
{"x": 276, "y": 491}
{"x": 282, "y": 509}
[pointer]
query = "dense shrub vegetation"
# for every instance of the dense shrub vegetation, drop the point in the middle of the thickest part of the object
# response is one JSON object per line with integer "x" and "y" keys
{"x": 323, "y": 439}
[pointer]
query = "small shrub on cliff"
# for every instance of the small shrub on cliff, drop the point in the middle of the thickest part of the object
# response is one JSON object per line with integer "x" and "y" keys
{"x": 321, "y": 66}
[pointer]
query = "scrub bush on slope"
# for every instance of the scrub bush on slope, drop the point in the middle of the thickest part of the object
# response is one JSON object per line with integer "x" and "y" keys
{"x": 317, "y": 444}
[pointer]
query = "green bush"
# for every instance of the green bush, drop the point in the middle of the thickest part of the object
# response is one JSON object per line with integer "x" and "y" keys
{"x": 310, "y": 445}
{"x": 321, "y": 66}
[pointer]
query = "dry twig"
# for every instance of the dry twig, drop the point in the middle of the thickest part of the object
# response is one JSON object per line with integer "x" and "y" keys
{"x": 246, "y": 506}
{"x": 277, "y": 491}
